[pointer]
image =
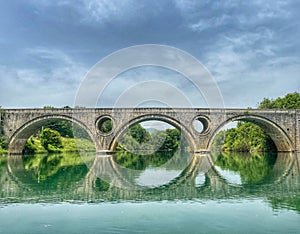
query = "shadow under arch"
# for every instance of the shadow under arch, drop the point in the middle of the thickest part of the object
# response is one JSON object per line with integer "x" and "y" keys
{"x": 148, "y": 117}
{"x": 278, "y": 135}
{"x": 18, "y": 140}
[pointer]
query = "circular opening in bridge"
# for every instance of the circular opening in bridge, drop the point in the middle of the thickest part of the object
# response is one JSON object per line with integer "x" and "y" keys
{"x": 105, "y": 125}
{"x": 200, "y": 124}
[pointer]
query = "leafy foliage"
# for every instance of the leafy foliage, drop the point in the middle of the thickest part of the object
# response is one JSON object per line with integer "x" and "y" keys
{"x": 48, "y": 107}
{"x": 139, "y": 133}
{"x": 172, "y": 140}
{"x": 106, "y": 126}
{"x": 1, "y": 121}
{"x": 290, "y": 101}
{"x": 137, "y": 138}
{"x": 3, "y": 145}
{"x": 51, "y": 140}
{"x": 67, "y": 129}
{"x": 64, "y": 127}
{"x": 248, "y": 136}
{"x": 34, "y": 146}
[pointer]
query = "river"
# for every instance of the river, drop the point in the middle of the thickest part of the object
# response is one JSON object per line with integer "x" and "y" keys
{"x": 167, "y": 192}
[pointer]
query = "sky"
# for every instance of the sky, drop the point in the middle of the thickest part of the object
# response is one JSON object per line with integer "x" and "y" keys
{"x": 250, "y": 48}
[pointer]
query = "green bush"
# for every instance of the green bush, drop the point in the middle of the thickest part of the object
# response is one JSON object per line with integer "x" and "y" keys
{"x": 248, "y": 136}
{"x": 51, "y": 140}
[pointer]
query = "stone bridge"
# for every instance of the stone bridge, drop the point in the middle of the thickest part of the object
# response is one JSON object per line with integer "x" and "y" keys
{"x": 283, "y": 126}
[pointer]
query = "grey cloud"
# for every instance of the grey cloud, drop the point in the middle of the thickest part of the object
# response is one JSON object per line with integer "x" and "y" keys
{"x": 46, "y": 53}
{"x": 54, "y": 81}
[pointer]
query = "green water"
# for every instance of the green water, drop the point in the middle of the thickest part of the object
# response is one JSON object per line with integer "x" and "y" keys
{"x": 167, "y": 192}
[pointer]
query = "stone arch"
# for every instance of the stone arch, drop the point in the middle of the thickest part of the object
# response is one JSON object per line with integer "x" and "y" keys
{"x": 18, "y": 139}
{"x": 147, "y": 117}
{"x": 278, "y": 135}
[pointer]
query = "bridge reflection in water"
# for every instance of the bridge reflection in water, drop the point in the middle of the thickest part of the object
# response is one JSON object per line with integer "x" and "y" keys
{"x": 57, "y": 178}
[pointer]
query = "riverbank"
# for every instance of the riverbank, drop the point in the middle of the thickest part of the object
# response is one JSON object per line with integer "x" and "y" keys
{"x": 3, "y": 151}
{"x": 68, "y": 145}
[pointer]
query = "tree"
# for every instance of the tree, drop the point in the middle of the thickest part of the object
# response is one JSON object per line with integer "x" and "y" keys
{"x": 64, "y": 127}
{"x": 51, "y": 139}
{"x": 248, "y": 136}
{"x": 252, "y": 168}
{"x": 138, "y": 138}
{"x": 3, "y": 143}
{"x": 67, "y": 129}
{"x": 1, "y": 121}
{"x": 139, "y": 133}
{"x": 106, "y": 126}
{"x": 48, "y": 107}
{"x": 172, "y": 140}
{"x": 289, "y": 101}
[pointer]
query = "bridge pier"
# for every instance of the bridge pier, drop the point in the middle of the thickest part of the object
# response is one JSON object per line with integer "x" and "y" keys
{"x": 17, "y": 147}
{"x": 105, "y": 153}
{"x": 297, "y": 126}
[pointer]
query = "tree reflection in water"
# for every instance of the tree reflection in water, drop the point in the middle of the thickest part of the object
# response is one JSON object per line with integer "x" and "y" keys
{"x": 252, "y": 168}
{"x": 65, "y": 176}
{"x": 136, "y": 161}
{"x": 42, "y": 167}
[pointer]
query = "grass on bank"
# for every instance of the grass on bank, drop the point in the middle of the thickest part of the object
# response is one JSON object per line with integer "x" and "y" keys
{"x": 3, "y": 151}
{"x": 68, "y": 145}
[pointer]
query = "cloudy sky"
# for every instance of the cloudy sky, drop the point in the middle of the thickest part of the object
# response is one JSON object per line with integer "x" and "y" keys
{"x": 251, "y": 48}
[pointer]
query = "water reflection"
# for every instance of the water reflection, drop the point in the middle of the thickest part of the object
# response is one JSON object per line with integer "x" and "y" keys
{"x": 245, "y": 168}
{"x": 65, "y": 177}
{"x": 134, "y": 172}
{"x": 45, "y": 167}
{"x": 46, "y": 173}
{"x": 141, "y": 161}
{"x": 200, "y": 180}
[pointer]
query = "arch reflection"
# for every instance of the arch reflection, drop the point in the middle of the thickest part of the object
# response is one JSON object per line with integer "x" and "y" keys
{"x": 106, "y": 180}
{"x": 47, "y": 172}
{"x": 141, "y": 171}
